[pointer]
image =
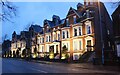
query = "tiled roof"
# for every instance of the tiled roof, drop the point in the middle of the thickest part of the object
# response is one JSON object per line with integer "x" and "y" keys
{"x": 37, "y": 28}
{"x": 18, "y": 37}
{"x": 52, "y": 23}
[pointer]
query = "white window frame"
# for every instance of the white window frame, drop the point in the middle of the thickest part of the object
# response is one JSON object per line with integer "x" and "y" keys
{"x": 65, "y": 31}
{"x": 88, "y": 23}
{"x": 77, "y": 46}
{"x": 67, "y": 43}
{"x": 77, "y": 27}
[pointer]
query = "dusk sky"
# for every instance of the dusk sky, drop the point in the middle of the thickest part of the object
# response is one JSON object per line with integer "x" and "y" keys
{"x": 36, "y": 12}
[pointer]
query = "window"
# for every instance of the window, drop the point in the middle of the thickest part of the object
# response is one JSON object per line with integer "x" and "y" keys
{"x": 21, "y": 44}
{"x": 75, "y": 45}
{"x": 80, "y": 45}
{"x": 89, "y": 44}
{"x": 87, "y": 2}
{"x": 67, "y": 22}
{"x": 80, "y": 33}
{"x": 58, "y": 36}
{"x": 91, "y": 2}
{"x": 47, "y": 46}
{"x": 42, "y": 40}
{"x": 49, "y": 38}
{"x": 42, "y": 48}
{"x": 67, "y": 34}
{"x": 74, "y": 17}
{"x": 75, "y": 32}
{"x": 108, "y": 32}
{"x": 88, "y": 29}
{"x": 54, "y": 37}
{"x": 63, "y": 34}
{"x": 109, "y": 44}
{"x": 46, "y": 38}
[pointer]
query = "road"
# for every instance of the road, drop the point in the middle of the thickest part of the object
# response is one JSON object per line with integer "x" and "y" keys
{"x": 22, "y": 66}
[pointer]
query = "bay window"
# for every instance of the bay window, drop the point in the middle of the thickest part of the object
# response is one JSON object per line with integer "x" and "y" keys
{"x": 77, "y": 31}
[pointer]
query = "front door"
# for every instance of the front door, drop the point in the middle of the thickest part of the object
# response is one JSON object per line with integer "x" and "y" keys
{"x": 51, "y": 48}
{"x": 89, "y": 48}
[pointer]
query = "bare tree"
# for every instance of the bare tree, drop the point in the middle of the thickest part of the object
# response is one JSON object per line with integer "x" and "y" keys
{"x": 8, "y": 10}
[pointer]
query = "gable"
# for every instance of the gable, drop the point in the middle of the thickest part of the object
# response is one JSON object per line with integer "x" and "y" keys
{"x": 72, "y": 11}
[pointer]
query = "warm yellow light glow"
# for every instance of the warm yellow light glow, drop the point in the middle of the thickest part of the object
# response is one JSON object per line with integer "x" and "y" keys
{"x": 34, "y": 55}
{"x": 22, "y": 56}
{"x": 51, "y": 56}
{"x": 63, "y": 56}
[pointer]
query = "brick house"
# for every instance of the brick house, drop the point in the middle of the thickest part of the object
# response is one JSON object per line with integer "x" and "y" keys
{"x": 87, "y": 28}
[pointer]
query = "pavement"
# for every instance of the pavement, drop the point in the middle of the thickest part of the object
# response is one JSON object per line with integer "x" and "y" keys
{"x": 81, "y": 65}
{"x": 22, "y": 66}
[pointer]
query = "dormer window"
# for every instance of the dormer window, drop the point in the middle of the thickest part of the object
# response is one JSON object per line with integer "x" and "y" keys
{"x": 74, "y": 17}
{"x": 67, "y": 22}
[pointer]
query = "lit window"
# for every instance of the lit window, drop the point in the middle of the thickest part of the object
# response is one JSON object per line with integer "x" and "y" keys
{"x": 54, "y": 37}
{"x": 49, "y": 38}
{"x": 80, "y": 45}
{"x": 75, "y": 45}
{"x": 46, "y": 38}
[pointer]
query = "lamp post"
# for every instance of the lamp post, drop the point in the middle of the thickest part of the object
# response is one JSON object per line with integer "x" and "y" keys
{"x": 101, "y": 32}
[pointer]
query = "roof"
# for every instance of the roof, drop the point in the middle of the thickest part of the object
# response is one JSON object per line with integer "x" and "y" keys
{"x": 18, "y": 36}
{"x": 52, "y": 23}
{"x": 26, "y": 34}
{"x": 36, "y": 28}
{"x": 74, "y": 11}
